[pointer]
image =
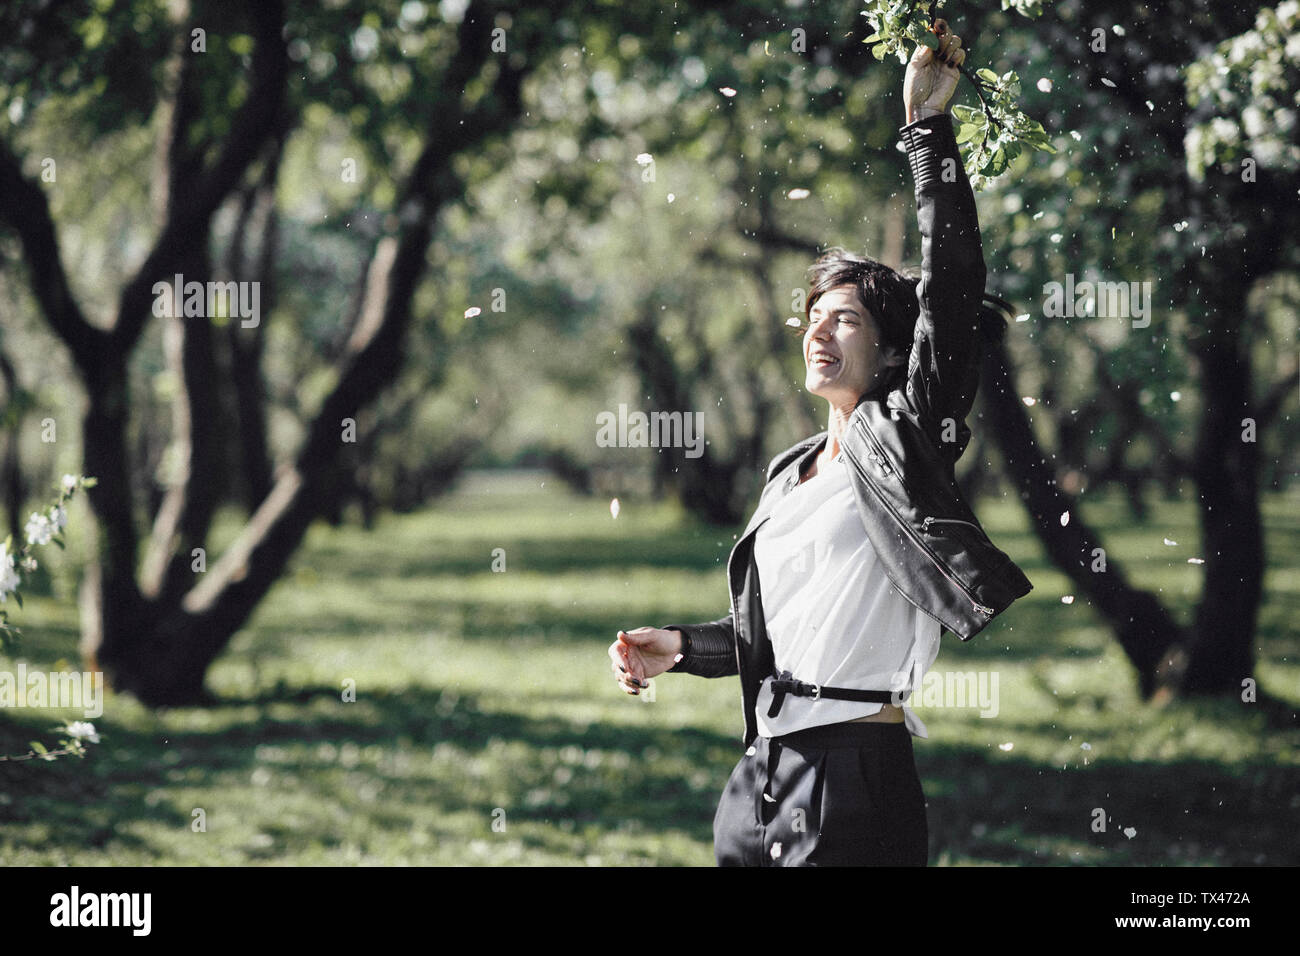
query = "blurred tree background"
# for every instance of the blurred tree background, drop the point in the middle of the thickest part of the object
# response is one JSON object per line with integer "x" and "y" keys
{"x": 477, "y": 225}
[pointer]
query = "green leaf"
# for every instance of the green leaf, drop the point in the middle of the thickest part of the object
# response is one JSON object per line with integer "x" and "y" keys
{"x": 967, "y": 132}
{"x": 879, "y": 50}
{"x": 987, "y": 75}
{"x": 873, "y": 38}
{"x": 931, "y": 41}
{"x": 38, "y": 747}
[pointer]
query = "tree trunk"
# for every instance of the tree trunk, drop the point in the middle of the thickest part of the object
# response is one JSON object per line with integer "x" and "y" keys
{"x": 1144, "y": 628}
{"x": 11, "y": 473}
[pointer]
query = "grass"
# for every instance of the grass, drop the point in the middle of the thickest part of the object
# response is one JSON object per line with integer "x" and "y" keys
{"x": 486, "y": 728}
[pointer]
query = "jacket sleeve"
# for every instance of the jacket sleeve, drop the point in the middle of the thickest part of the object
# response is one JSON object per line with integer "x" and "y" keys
{"x": 943, "y": 369}
{"x": 712, "y": 650}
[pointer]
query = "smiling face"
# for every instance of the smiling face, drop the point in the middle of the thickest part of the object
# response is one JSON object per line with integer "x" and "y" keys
{"x": 842, "y": 350}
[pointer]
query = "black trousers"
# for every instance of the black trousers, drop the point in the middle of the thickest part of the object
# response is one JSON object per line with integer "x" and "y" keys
{"x": 840, "y": 795}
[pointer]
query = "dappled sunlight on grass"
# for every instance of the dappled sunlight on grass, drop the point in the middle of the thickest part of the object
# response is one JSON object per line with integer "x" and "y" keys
{"x": 486, "y": 697}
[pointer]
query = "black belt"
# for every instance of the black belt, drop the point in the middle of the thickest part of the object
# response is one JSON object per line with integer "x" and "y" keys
{"x": 785, "y": 683}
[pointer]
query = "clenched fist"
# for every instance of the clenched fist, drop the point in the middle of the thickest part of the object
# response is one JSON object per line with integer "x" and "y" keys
{"x": 932, "y": 75}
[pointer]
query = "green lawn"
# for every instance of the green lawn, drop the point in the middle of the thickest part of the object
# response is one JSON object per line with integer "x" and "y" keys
{"x": 483, "y": 696}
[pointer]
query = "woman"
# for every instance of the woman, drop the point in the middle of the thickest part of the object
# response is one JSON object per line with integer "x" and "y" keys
{"x": 861, "y": 550}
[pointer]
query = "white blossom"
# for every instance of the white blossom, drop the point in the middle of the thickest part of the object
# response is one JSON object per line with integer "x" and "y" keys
{"x": 39, "y": 530}
{"x": 82, "y": 730}
{"x": 9, "y": 579}
{"x": 59, "y": 517}
{"x": 69, "y": 483}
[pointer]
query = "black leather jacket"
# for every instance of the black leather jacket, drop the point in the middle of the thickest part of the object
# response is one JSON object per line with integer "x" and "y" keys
{"x": 928, "y": 540}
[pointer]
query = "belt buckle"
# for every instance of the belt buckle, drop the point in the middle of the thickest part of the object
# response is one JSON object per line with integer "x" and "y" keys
{"x": 817, "y": 692}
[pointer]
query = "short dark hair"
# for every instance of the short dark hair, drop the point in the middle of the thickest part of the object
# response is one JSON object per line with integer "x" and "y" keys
{"x": 889, "y": 295}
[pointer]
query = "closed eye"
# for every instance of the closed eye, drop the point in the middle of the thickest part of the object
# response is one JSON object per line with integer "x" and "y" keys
{"x": 843, "y": 315}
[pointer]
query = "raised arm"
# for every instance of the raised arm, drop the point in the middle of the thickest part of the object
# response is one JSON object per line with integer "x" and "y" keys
{"x": 943, "y": 369}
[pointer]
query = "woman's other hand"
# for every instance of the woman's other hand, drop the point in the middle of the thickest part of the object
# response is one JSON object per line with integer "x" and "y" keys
{"x": 641, "y": 654}
{"x": 932, "y": 75}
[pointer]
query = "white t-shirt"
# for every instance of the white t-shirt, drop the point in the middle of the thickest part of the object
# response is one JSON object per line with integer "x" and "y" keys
{"x": 833, "y": 616}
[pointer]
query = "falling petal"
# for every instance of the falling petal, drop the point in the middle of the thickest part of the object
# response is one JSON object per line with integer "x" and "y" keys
{"x": 1085, "y": 746}
{"x": 1170, "y": 543}
{"x": 1117, "y": 30}
{"x": 1023, "y": 318}
{"x": 1028, "y": 401}
{"x": 1110, "y": 83}
{"x": 1065, "y": 518}
{"x": 1130, "y": 832}
{"x": 644, "y": 159}
{"x": 1151, "y": 106}
{"x": 1195, "y": 560}
{"x": 798, "y": 193}
{"x": 1180, "y": 226}
{"x": 613, "y": 507}
{"x": 1175, "y": 396}
{"x": 1007, "y": 746}
{"x": 1076, "y": 134}
{"x": 776, "y": 851}
{"x": 1045, "y": 85}
{"x": 726, "y": 91}
{"x": 1038, "y": 216}
{"x": 792, "y": 322}
{"x": 1056, "y": 237}
{"x": 1067, "y": 599}
{"x": 470, "y": 313}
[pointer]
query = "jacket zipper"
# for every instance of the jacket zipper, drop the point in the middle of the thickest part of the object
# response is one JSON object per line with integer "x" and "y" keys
{"x": 931, "y": 519}
{"x": 877, "y": 454}
{"x": 920, "y": 543}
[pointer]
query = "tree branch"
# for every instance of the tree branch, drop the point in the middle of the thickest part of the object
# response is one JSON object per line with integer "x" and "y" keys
{"x": 24, "y": 208}
{"x": 189, "y": 218}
